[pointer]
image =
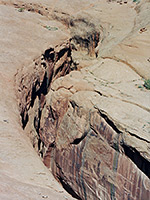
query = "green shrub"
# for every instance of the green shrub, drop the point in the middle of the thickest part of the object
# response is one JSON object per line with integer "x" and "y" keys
{"x": 147, "y": 84}
{"x": 50, "y": 28}
{"x": 20, "y": 9}
{"x": 137, "y": 1}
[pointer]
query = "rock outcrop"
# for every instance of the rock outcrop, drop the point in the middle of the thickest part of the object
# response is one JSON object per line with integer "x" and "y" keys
{"x": 96, "y": 151}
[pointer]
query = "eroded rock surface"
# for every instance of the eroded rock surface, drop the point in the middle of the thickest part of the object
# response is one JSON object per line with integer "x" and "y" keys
{"x": 22, "y": 174}
{"x": 99, "y": 142}
{"x": 82, "y": 98}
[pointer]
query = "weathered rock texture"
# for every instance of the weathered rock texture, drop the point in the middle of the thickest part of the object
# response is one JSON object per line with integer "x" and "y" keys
{"x": 83, "y": 102}
{"x": 55, "y": 62}
{"x": 22, "y": 173}
{"x": 91, "y": 149}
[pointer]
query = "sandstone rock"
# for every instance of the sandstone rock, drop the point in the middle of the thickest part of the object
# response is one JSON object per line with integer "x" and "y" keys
{"x": 97, "y": 143}
{"x": 91, "y": 126}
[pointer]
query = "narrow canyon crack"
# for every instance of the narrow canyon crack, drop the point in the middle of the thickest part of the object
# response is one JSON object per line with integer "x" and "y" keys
{"x": 129, "y": 151}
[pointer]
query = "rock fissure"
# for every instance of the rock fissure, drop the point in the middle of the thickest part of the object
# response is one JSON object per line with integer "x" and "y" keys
{"x": 67, "y": 187}
{"x": 65, "y": 184}
{"x": 109, "y": 121}
{"x": 142, "y": 163}
{"x": 139, "y": 160}
{"x": 140, "y": 138}
{"x": 78, "y": 140}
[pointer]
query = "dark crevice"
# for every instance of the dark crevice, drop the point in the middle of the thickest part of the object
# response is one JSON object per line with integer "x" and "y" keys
{"x": 68, "y": 188}
{"x": 39, "y": 119}
{"x": 94, "y": 130}
{"x": 110, "y": 122}
{"x": 40, "y": 148}
{"x": 64, "y": 183}
{"x": 130, "y": 152}
{"x": 25, "y": 119}
{"x": 52, "y": 114}
{"x": 42, "y": 90}
{"x": 134, "y": 135}
{"x": 44, "y": 87}
{"x": 69, "y": 52}
{"x": 43, "y": 64}
{"x": 139, "y": 161}
{"x": 48, "y": 55}
{"x": 39, "y": 144}
{"x": 78, "y": 140}
{"x": 34, "y": 94}
{"x": 52, "y": 145}
{"x": 59, "y": 69}
{"x": 98, "y": 92}
{"x": 73, "y": 104}
{"x": 61, "y": 53}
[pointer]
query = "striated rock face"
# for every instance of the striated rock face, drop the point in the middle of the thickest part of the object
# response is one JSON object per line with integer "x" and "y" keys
{"x": 90, "y": 153}
{"x": 84, "y": 105}
{"x": 89, "y": 138}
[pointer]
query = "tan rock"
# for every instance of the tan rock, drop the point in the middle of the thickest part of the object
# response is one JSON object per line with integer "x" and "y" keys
{"x": 91, "y": 126}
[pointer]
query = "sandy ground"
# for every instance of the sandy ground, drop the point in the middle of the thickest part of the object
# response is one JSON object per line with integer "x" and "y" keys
{"x": 22, "y": 173}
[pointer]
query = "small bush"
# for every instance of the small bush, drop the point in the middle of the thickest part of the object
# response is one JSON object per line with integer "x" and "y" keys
{"x": 147, "y": 84}
{"x": 136, "y": 1}
{"x": 20, "y": 9}
{"x": 50, "y": 28}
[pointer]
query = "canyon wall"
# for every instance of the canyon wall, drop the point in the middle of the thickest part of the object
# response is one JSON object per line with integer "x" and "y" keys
{"x": 82, "y": 98}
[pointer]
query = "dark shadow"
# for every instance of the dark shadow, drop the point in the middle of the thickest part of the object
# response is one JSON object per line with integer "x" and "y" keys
{"x": 25, "y": 119}
{"x": 138, "y": 160}
{"x": 68, "y": 188}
